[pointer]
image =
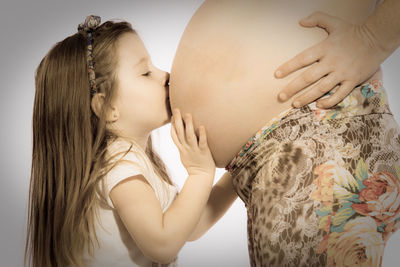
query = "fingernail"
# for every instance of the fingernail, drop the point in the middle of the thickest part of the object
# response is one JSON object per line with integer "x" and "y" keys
{"x": 303, "y": 21}
{"x": 296, "y": 104}
{"x": 282, "y": 96}
{"x": 278, "y": 73}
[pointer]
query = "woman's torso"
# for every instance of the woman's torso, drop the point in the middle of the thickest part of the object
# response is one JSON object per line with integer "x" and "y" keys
{"x": 223, "y": 69}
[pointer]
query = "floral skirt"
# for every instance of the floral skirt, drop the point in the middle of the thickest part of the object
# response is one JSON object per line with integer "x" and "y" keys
{"x": 322, "y": 186}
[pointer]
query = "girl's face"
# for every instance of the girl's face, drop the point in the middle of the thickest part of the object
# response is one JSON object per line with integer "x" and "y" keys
{"x": 142, "y": 96}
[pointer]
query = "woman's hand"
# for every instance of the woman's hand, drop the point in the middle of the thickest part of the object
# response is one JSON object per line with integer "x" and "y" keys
{"x": 195, "y": 154}
{"x": 346, "y": 58}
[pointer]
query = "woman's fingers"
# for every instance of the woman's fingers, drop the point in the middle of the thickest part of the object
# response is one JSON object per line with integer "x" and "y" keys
{"x": 344, "y": 89}
{"x": 322, "y": 87}
{"x": 304, "y": 59}
{"x": 310, "y": 76}
{"x": 321, "y": 20}
{"x": 308, "y": 57}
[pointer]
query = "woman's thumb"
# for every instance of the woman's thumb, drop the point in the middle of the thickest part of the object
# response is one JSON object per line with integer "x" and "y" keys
{"x": 320, "y": 19}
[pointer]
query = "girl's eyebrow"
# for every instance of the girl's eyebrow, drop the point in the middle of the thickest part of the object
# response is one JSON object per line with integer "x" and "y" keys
{"x": 140, "y": 61}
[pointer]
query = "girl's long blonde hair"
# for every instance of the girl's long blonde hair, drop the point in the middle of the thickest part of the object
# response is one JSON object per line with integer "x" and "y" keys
{"x": 69, "y": 145}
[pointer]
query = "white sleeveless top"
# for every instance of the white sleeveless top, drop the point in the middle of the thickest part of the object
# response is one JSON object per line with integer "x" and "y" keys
{"x": 117, "y": 248}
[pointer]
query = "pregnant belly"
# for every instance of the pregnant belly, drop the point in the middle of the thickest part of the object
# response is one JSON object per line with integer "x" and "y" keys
{"x": 223, "y": 69}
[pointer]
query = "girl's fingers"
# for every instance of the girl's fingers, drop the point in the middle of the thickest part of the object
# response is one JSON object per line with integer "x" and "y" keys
{"x": 202, "y": 138}
{"x": 191, "y": 138}
{"x": 324, "y": 85}
{"x": 179, "y": 128}
{"x": 310, "y": 76}
{"x": 341, "y": 93}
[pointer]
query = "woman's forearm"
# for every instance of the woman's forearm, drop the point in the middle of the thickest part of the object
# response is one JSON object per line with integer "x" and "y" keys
{"x": 384, "y": 26}
{"x": 221, "y": 198}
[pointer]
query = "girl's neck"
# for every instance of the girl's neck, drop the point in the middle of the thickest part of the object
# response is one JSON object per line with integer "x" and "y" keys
{"x": 141, "y": 141}
{"x": 140, "y": 137}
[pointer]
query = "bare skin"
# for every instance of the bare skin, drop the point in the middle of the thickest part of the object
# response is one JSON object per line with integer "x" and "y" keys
{"x": 223, "y": 72}
{"x": 349, "y": 56}
{"x": 199, "y": 205}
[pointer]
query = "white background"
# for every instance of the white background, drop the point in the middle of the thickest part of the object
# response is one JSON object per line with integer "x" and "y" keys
{"x": 28, "y": 30}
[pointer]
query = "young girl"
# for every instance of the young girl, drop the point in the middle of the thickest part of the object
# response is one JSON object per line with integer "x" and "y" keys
{"x": 99, "y": 194}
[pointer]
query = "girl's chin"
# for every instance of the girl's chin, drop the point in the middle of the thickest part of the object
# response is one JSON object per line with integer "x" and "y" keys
{"x": 169, "y": 111}
{"x": 168, "y": 119}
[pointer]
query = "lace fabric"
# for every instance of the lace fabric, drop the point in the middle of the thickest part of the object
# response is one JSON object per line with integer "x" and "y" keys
{"x": 322, "y": 186}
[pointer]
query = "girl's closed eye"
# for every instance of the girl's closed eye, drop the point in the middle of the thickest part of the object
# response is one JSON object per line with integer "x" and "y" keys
{"x": 147, "y": 73}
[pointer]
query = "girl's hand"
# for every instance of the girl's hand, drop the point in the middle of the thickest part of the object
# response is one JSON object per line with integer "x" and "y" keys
{"x": 346, "y": 58}
{"x": 195, "y": 154}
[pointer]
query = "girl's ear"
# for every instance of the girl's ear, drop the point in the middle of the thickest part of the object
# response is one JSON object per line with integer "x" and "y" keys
{"x": 97, "y": 103}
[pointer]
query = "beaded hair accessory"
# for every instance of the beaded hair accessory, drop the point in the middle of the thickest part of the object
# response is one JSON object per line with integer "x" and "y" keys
{"x": 88, "y": 26}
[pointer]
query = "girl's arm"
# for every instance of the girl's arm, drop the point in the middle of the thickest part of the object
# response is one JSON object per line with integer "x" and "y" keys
{"x": 221, "y": 199}
{"x": 160, "y": 235}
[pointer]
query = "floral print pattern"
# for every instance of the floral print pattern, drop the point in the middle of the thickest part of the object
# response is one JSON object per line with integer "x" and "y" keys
{"x": 322, "y": 186}
{"x": 350, "y": 106}
{"x": 373, "y": 199}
